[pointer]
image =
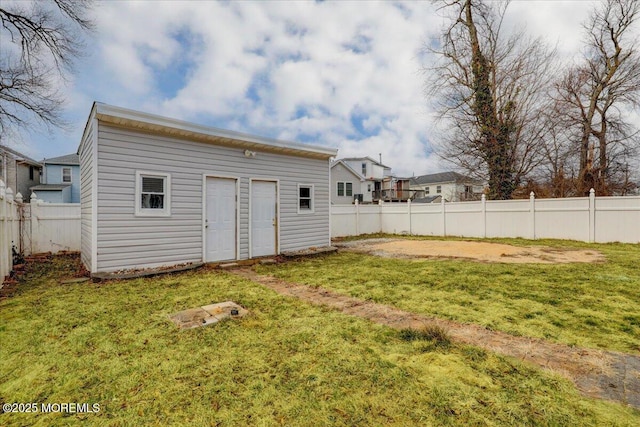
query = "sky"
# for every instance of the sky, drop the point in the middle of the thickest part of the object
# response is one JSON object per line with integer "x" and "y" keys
{"x": 345, "y": 74}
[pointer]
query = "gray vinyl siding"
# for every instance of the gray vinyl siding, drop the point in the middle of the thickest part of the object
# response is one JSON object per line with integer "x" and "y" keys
{"x": 341, "y": 174}
{"x": 86, "y": 183}
{"x": 126, "y": 241}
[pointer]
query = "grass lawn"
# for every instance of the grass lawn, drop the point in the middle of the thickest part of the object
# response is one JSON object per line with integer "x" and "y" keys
{"x": 287, "y": 363}
{"x": 588, "y": 305}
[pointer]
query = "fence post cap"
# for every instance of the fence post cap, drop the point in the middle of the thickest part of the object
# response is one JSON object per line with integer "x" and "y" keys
{"x": 19, "y": 197}
{"x": 357, "y": 202}
{"x": 483, "y": 197}
{"x": 34, "y": 196}
{"x": 2, "y": 188}
{"x": 9, "y": 194}
{"x": 532, "y": 194}
{"x": 592, "y": 192}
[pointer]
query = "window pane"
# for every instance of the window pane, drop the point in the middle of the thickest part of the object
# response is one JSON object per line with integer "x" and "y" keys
{"x": 341, "y": 189}
{"x": 152, "y": 185}
{"x": 66, "y": 174}
{"x": 349, "y": 189}
{"x": 305, "y": 192}
{"x": 305, "y": 203}
{"x": 152, "y": 201}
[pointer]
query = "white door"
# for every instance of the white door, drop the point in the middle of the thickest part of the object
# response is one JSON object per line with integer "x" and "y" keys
{"x": 220, "y": 221}
{"x": 263, "y": 218}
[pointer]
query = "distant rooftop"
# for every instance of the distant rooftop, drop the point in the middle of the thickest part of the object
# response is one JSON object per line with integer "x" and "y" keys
{"x": 68, "y": 159}
{"x": 442, "y": 177}
{"x": 19, "y": 156}
{"x": 365, "y": 158}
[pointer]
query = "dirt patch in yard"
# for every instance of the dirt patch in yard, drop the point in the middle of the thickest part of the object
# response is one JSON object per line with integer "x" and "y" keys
{"x": 478, "y": 251}
{"x": 596, "y": 373}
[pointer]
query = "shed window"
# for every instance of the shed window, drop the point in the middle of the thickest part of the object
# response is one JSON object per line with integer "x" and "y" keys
{"x": 426, "y": 190}
{"x": 439, "y": 189}
{"x": 305, "y": 198}
{"x": 66, "y": 174}
{"x": 152, "y": 194}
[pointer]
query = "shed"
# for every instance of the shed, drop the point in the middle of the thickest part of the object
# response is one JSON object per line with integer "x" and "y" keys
{"x": 158, "y": 192}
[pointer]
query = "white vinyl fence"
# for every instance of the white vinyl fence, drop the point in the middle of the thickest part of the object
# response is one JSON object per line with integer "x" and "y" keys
{"x": 35, "y": 227}
{"x": 9, "y": 229}
{"x": 588, "y": 219}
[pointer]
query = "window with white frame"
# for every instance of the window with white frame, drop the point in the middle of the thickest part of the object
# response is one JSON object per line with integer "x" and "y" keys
{"x": 66, "y": 174}
{"x": 345, "y": 189}
{"x": 348, "y": 189}
{"x": 153, "y": 196}
{"x": 439, "y": 189}
{"x": 426, "y": 190}
{"x": 305, "y": 198}
{"x": 364, "y": 169}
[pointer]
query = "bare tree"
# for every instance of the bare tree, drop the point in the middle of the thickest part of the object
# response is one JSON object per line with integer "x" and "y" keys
{"x": 596, "y": 96}
{"x": 491, "y": 92}
{"x": 39, "y": 41}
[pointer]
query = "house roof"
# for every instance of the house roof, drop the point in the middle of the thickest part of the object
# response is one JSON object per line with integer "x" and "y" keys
{"x": 428, "y": 199}
{"x": 349, "y": 168}
{"x": 19, "y": 156}
{"x": 442, "y": 177}
{"x": 366, "y": 158}
{"x": 68, "y": 159}
{"x": 155, "y": 124}
{"x": 49, "y": 187}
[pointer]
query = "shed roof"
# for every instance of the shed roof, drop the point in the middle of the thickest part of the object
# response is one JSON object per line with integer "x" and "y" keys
{"x": 68, "y": 159}
{"x": 156, "y": 124}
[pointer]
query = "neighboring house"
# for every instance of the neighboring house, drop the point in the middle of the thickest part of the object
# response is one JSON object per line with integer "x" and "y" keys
{"x": 60, "y": 180}
{"x": 396, "y": 189}
{"x": 347, "y": 185}
{"x": 362, "y": 174}
{"x": 18, "y": 171}
{"x": 453, "y": 186}
{"x": 159, "y": 192}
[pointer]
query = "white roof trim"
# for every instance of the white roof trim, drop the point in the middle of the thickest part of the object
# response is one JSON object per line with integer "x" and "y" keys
{"x": 153, "y": 122}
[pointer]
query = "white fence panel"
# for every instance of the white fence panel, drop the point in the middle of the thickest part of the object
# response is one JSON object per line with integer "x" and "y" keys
{"x": 395, "y": 219}
{"x": 464, "y": 219}
{"x": 589, "y": 219}
{"x": 55, "y": 227}
{"x": 617, "y": 219}
{"x": 344, "y": 221}
{"x": 508, "y": 218}
{"x": 369, "y": 219}
{"x": 563, "y": 218}
{"x": 427, "y": 219}
{"x": 9, "y": 229}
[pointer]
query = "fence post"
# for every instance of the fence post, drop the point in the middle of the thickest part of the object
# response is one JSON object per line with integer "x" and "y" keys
{"x": 357, "y": 217}
{"x": 409, "y": 211}
{"x": 34, "y": 222}
{"x": 532, "y": 215}
{"x": 444, "y": 217}
{"x": 380, "y": 203}
{"x": 592, "y": 215}
{"x": 483, "y": 200}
